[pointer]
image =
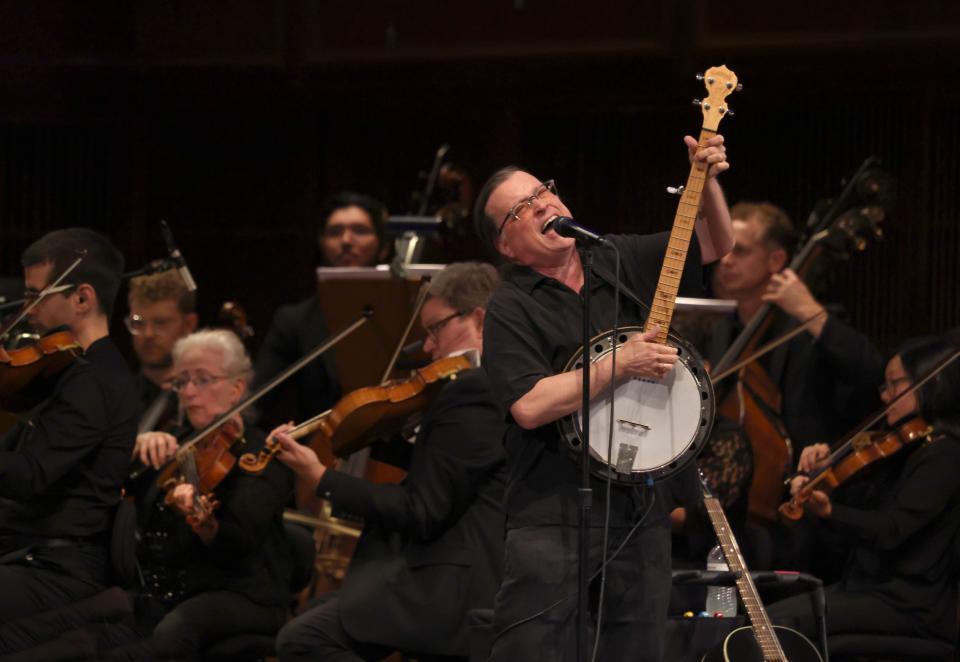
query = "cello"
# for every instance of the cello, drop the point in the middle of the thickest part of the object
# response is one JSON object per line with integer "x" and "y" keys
{"x": 755, "y": 400}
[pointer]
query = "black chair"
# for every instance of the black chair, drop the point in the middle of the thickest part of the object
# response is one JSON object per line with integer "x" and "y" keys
{"x": 250, "y": 647}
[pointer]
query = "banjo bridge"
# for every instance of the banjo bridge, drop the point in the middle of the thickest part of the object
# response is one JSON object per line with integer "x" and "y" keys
{"x": 633, "y": 424}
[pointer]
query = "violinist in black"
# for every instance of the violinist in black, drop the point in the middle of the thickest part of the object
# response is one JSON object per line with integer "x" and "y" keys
{"x": 903, "y": 519}
{"x": 222, "y": 571}
{"x": 432, "y": 547}
{"x": 61, "y": 470}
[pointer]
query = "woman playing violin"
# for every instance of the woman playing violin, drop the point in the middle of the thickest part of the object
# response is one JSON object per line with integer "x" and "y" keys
{"x": 217, "y": 564}
{"x": 902, "y": 519}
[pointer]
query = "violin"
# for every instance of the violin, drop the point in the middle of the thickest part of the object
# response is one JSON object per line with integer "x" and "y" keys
{"x": 21, "y": 368}
{"x": 867, "y": 448}
{"x": 369, "y": 414}
{"x": 207, "y": 460}
{"x": 45, "y": 358}
{"x": 208, "y": 457}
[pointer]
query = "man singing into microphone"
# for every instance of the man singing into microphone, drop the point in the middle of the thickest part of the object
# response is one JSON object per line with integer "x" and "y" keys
{"x": 533, "y": 327}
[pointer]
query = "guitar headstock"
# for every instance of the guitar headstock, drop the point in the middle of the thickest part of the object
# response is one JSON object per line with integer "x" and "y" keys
{"x": 720, "y": 83}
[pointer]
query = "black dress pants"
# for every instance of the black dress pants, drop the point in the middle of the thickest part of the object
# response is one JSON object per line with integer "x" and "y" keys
{"x": 30, "y": 587}
{"x": 318, "y": 635}
{"x": 535, "y": 611}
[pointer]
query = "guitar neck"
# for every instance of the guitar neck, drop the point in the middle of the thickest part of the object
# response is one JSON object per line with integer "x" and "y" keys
{"x": 665, "y": 297}
{"x": 759, "y": 621}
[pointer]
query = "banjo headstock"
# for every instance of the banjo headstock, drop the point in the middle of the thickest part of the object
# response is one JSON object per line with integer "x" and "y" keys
{"x": 720, "y": 83}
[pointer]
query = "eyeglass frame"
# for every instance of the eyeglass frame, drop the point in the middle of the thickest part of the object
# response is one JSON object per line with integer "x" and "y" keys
{"x": 129, "y": 319}
{"x": 433, "y": 330}
{"x": 549, "y": 186}
{"x": 32, "y": 295}
{"x": 201, "y": 382}
{"x": 888, "y": 387}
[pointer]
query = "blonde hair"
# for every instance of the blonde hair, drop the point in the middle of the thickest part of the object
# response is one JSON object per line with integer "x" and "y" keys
{"x": 162, "y": 286}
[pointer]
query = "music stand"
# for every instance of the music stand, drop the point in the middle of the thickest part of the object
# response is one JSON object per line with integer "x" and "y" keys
{"x": 344, "y": 292}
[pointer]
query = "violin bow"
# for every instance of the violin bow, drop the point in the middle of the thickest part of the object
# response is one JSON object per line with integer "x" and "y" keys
{"x": 52, "y": 288}
{"x": 273, "y": 383}
{"x": 874, "y": 418}
{"x": 421, "y": 299}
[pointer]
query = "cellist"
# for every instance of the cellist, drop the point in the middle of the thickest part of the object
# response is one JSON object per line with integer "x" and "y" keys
{"x": 823, "y": 380}
{"x": 904, "y": 516}
{"x": 61, "y": 470}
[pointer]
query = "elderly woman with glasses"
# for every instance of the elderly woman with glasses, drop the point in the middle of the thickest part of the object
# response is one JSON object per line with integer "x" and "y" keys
{"x": 227, "y": 572}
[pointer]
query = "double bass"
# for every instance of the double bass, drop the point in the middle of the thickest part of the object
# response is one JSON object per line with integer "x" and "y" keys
{"x": 755, "y": 400}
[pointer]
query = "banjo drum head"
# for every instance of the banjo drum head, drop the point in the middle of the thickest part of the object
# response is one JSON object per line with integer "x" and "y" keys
{"x": 659, "y": 426}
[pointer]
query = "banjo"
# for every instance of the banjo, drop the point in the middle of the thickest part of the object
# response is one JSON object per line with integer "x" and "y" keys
{"x": 660, "y": 425}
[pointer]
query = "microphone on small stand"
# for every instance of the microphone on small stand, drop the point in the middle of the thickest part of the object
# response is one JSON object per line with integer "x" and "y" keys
{"x": 565, "y": 227}
{"x": 178, "y": 258}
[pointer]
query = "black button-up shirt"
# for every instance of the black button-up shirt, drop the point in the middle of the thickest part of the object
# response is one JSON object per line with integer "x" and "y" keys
{"x": 61, "y": 470}
{"x": 533, "y": 326}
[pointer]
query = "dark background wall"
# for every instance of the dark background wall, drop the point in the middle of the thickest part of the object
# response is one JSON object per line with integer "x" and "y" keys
{"x": 232, "y": 119}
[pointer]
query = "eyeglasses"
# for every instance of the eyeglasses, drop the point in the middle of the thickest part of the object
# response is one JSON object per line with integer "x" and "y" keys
{"x": 200, "y": 381}
{"x": 549, "y": 187}
{"x": 137, "y": 324}
{"x": 890, "y": 386}
{"x": 32, "y": 295}
{"x": 435, "y": 328}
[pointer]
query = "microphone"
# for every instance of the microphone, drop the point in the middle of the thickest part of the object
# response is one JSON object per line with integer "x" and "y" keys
{"x": 565, "y": 227}
{"x": 178, "y": 258}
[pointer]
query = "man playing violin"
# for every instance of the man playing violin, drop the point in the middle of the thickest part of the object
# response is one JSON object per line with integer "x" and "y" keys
{"x": 211, "y": 571}
{"x": 351, "y": 234}
{"x": 533, "y": 327}
{"x": 162, "y": 310}
{"x": 62, "y": 468}
{"x": 904, "y": 516}
{"x": 431, "y": 547}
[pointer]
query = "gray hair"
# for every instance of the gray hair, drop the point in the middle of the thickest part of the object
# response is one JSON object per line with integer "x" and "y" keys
{"x": 236, "y": 361}
{"x": 465, "y": 285}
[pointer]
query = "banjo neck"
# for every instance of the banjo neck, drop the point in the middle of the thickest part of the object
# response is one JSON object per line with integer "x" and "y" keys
{"x": 720, "y": 82}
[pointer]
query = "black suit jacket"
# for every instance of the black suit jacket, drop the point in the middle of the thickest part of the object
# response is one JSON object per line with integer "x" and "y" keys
{"x": 432, "y": 546}
{"x": 296, "y": 329}
{"x": 828, "y": 385}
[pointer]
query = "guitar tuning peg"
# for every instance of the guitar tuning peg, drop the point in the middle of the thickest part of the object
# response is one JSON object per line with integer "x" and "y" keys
{"x": 699, "y": 76}
{"x": 697, "y": 102}
{"x": 739, "y": 86}
{"x": 729, "y": 111}
{"x": 675, "y": 190}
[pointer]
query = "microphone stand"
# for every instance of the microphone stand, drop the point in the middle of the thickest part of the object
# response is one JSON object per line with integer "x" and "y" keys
{"x": 585, "y": 492}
